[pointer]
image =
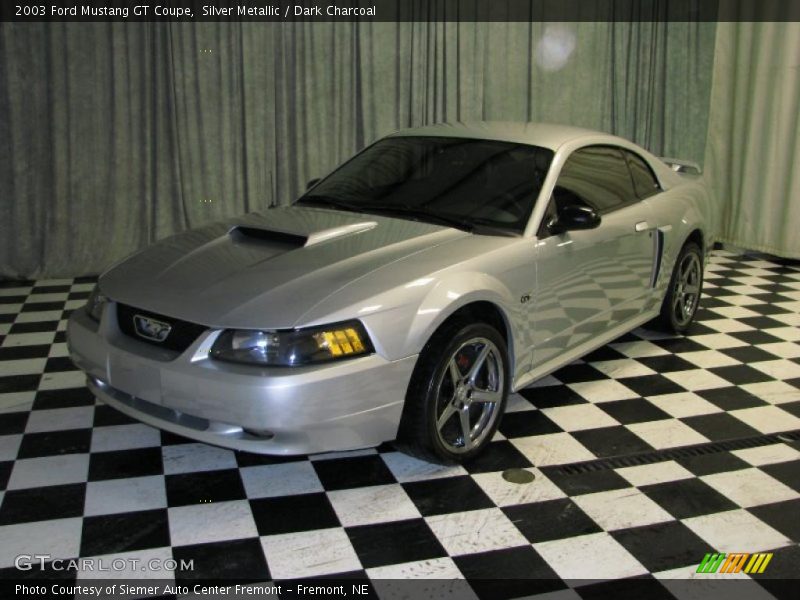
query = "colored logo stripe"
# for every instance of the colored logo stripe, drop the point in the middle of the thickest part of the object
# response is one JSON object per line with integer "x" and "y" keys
{"x": 710, "y": 563}
{"x": 734, "y": 562}
{"x": 758, "y": 563}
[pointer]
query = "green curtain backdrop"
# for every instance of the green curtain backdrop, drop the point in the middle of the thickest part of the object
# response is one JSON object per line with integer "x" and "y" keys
{"x": 753, "y": 152}
{"x": 113, "y": 135}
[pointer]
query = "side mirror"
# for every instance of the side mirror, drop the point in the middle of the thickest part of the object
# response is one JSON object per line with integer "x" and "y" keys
{"x": 311, "y": 183}
{"x": 573, "y": 217}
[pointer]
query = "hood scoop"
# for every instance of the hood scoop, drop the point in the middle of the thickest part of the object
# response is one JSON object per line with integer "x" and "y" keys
{"x": 243, "y": 234}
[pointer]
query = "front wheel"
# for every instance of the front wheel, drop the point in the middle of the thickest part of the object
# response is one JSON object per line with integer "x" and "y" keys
{"x": 685, "y": 287}
{"x": 457, "y": 394}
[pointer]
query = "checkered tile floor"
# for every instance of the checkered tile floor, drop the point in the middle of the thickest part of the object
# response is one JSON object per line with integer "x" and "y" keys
{"x": 82, "y": 480}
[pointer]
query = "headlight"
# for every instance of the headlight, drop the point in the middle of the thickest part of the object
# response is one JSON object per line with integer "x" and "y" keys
{"x": 295, "y": 347}
{"x": 96, "y": 303}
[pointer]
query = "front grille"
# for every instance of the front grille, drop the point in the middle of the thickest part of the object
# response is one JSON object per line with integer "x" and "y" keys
{"x": 181, "y": 335}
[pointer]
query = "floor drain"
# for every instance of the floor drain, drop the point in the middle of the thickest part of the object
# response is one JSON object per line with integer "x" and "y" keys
{"x": 679, "y": 453}
{"x": 518, "y": 476}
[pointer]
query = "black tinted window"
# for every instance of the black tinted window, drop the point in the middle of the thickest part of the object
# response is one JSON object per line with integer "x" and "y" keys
{"x": 644, "y": 181}
{"x": 479, "y": 181}
{"x": 597, "y": 176}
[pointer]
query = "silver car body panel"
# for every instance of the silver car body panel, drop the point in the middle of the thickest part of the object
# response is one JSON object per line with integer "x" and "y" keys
{"x": 276, "y": 411}
{"x": 275, "y": 282}
{"x": 560, "y": 297}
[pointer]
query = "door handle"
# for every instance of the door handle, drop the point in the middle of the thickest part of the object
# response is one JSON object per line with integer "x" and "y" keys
{"x": 642, "y": 226}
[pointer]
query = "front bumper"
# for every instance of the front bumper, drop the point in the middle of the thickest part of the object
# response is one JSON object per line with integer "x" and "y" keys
{"x": 345, "y": 405}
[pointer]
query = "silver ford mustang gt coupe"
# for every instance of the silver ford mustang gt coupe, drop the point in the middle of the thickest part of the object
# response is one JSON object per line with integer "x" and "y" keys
{"x": 403, "y": 296}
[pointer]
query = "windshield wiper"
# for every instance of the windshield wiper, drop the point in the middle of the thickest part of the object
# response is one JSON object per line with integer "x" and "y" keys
{"x": 320, "y": 200}
{"x": 420, "y": 214}
{"x": 406, "y": 210}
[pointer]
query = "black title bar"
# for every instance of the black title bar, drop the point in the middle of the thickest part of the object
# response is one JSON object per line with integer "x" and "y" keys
{"x": 20, "y": 11}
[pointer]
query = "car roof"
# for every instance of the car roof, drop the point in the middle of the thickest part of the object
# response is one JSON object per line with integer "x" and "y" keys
{"x": 545, "y": 135}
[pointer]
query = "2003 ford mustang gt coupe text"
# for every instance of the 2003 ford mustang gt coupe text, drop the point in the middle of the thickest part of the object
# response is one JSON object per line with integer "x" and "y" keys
{"x": 402, "y": 297}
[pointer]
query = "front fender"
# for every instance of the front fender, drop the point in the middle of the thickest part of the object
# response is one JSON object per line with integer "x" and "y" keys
{"x": 453, "y": 293}
{"x": 402, "y": 320}
{"x": 401, "y": 316}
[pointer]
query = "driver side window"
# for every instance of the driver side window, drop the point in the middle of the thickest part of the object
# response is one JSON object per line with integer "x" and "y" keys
{"x": 595, "y": 176}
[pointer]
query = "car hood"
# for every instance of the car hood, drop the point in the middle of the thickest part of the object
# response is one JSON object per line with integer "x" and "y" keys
{"x": 265, "y": 270}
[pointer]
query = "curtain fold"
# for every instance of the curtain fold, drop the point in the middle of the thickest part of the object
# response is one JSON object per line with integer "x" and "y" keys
{"x": 113, "y": 135}
{"x": 753, "y": 150}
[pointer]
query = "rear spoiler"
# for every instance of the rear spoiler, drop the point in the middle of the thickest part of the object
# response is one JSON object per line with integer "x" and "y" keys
{"x": 685, "y": 167}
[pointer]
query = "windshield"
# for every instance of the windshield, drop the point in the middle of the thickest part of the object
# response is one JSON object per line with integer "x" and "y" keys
{"x": 456, "y": 181}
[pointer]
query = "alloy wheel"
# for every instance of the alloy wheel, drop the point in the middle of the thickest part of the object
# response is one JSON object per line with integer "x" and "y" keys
{"x": 686, "y": 291}
{"x": 470, "y": 390}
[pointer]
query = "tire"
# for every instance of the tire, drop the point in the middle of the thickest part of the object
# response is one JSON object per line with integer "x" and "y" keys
{"x": 462, "y": 371}
{"x": 684, "y": 291}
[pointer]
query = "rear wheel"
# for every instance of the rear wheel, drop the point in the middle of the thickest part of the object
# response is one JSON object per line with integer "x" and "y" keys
{"x": 685, "y": 287}
{"x": 457, "y": 394}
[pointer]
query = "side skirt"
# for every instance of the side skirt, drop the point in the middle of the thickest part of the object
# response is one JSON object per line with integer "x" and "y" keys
{"x": 582, "y": 350}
